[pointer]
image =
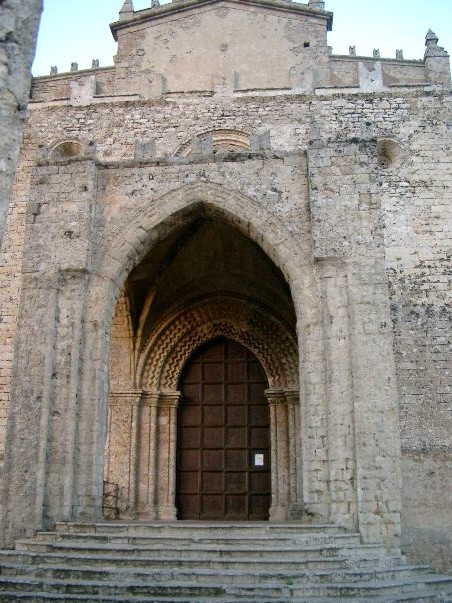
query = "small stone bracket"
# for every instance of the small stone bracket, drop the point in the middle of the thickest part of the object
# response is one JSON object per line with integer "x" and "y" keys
{"x": 260, "y": 142}
{"x": 370, "y": 80}
{"x": 145, "y": 149}
{"x": 83, "y": 90}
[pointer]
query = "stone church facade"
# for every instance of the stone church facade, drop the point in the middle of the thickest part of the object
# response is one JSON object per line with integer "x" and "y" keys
{"x": 226, "y": 282}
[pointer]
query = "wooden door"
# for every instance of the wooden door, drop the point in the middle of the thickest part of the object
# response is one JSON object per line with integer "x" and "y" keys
{"x": 223, "y": 452}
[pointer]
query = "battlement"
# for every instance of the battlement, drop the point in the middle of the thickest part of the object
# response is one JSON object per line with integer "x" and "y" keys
{"x": 203, "y": 46}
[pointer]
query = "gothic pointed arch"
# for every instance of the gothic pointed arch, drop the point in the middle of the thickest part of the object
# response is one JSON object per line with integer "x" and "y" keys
{"x": 127, "y": 245}
{"x": 154, "y": 396}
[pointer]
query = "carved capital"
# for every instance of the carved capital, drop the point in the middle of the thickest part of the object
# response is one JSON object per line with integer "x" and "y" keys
{"x": 150, "y": 399}
{"x": 292, "y": 396}
{"x": 169, "y": 399}
{"x": 276, "y": 397}
{"x": 161, "y": 399}
{"x": 125, "y": 398}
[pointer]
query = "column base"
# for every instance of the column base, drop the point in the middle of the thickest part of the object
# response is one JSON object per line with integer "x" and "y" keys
{"x": 296, "y": 511}
{"x": 167, "y": 512}
{"x": 278, "y": 513}
{"x": 148, "y": 512}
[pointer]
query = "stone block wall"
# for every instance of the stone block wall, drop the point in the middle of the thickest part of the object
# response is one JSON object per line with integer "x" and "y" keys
{"x": 58, "y": 87}
{"x": 418, "y": 220}
{"x": 297, "y": 31}
{"x": 345, "y": 71}
{"x": 377, "y": 166}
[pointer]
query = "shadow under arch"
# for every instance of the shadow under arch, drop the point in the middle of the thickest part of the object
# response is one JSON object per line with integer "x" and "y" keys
{"x": 127, "y": 246}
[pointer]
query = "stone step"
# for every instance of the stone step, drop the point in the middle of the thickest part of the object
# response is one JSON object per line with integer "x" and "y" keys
{"x": 156, "y": 561}
{"x": 200, "y": 576}
{"x": 217, "y": 589}
{"x": 214, "y": 551}
{"x": 109, "y": 557}
{"x": 365, "y": 557}
{"x": 201, "y": 528}
{"x": 183, "y": 540}
{"x": 43, "y": 597}
{"x": 177, "y": 561}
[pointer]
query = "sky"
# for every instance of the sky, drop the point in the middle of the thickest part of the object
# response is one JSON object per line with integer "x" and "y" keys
{"x": 78, "y": 30}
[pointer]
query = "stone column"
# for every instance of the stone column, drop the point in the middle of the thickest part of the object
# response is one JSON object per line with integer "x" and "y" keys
{"x": 148, "y": 456}
{"x": 280, "y": 476}
{"x": 166, "y": 455}
{"x": 295, "y": 461}
{"x": 122, "y": 453}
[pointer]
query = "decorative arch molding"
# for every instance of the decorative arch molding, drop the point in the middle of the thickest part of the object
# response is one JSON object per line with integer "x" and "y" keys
{"x": 123, "y": 248}
{"x": 66, "y": 149}
{"x": 128, "y": 245}
{"x": 179, "y": 334}
{"x": 221, "y": 139}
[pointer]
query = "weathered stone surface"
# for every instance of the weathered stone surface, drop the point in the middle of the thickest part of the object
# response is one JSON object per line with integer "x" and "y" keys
{"x": 304, "y": 212}
{"x": 19, "y": 21}
{"x": 225, "y": 562}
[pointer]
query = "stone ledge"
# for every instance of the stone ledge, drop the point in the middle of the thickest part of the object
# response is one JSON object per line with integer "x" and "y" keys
{"x": 175, "y": 7}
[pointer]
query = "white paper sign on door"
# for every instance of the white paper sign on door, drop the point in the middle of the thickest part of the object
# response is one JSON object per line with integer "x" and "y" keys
{"x": 258, "y": 460}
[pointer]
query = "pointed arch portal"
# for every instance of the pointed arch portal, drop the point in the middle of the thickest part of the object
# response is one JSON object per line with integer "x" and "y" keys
{"x": 182, "y": 281}
{"x": 152, "y": 413}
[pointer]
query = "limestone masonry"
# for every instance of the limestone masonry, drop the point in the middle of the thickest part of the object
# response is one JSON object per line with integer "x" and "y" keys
{"x": 231, "y": 197}
{"x": 19, "y": 21}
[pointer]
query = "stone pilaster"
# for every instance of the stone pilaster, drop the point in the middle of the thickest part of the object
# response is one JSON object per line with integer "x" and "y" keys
{"x": 168, "y": 404}
{"x": 280, "y": 475}
{"x": 295, "y": 461}
{"x": 122, "y": 448}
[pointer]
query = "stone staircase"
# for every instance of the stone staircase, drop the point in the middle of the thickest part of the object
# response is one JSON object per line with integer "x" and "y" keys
{"x": 203, "y": 562}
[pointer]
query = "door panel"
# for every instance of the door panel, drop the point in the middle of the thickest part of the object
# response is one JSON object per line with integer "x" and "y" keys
{"x": 223, "y": 454}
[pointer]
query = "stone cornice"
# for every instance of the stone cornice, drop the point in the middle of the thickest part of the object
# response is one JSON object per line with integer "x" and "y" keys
{"x": 150, "y": 14}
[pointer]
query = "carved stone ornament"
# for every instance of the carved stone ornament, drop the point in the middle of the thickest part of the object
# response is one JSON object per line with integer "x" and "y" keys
{"x": 178, "y": 335}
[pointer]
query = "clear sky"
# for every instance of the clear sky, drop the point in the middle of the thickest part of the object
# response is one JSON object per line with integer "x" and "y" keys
{"x": 77, "y": 30}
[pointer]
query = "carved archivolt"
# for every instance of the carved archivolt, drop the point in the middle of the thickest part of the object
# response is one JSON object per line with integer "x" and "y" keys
{"x": 176, "y": 337}
{"x": 66, "y": 149}
{"x": 232, "y": 140}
